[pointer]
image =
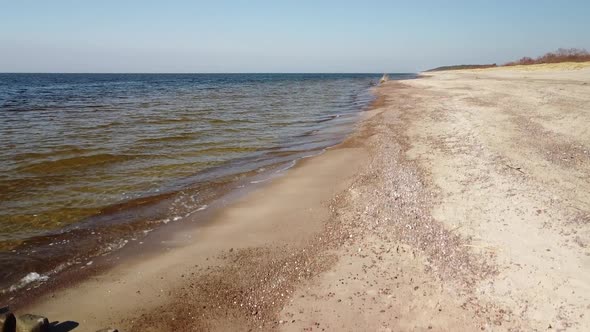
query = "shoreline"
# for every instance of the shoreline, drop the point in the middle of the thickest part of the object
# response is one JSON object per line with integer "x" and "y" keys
{"x": 78, "y": 208}
{"x": 122, "y": 223}
{"x": 162, "y": 239}
{"x": 158, "y": 225}
{"x": 202, "y": 246}
{"x": 460, "y": 200}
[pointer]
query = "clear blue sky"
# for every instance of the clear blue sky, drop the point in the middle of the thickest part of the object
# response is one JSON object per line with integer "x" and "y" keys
{"x": 280, "y": 35}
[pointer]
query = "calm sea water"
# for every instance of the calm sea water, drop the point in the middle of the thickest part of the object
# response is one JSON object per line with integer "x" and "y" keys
{"x": 90, "y": 159}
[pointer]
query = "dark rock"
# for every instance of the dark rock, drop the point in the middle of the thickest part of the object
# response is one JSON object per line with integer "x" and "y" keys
{"x": 7, "y": 322}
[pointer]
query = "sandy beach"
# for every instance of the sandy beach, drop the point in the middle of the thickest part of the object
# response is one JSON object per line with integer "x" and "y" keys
{"x": 461, "y": 202}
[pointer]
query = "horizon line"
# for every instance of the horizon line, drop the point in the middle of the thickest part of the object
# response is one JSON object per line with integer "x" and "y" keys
{"x": 207, "y": 73}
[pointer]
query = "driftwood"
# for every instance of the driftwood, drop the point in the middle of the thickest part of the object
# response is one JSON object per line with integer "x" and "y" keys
{"x": 515, "y": 168}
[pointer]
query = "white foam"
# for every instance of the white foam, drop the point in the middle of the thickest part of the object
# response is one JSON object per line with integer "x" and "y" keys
{"x": 290, "y": 165}
{"x": 29, "y": 278}
{"x": 259, "y": 181}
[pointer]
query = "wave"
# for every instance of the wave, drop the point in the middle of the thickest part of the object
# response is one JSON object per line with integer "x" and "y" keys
{"x": 226, "y": 149}
{"x": 229, "y": 121}
{"x": 62, "y": 151}
{"x": 181, "y": 137}
{"x": 165, "y": 120}
{"x": 79, "y": 163}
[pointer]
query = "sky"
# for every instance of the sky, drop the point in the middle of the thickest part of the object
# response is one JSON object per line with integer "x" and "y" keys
{"x": 280, "y": 35}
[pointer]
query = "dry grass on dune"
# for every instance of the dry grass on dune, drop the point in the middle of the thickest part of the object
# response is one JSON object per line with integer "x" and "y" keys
{"x": 561, "y": 55}
{"x": 562, "y": 59}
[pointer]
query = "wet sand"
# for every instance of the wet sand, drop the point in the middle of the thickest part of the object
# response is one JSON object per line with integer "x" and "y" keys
{"x": 462, "y": 202}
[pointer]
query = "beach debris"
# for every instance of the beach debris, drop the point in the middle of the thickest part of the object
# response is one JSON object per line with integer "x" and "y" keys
{"x": 32, "y": 323}
{"x": 108, "y": 329}
{"x": 384, "y": 78}
{"x": 515, "y": 168}
{"x": 7, "y": 321}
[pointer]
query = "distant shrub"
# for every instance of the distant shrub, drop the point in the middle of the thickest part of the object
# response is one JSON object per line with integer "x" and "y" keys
{"x": 459, "y": 67}
{"x": 561, "y": 55}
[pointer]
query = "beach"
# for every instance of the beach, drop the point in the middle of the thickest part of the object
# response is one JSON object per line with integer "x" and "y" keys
{"x": 461, "y": 201}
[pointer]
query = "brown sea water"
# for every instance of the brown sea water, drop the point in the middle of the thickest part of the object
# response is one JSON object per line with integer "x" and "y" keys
{"x": 91, "y": 161}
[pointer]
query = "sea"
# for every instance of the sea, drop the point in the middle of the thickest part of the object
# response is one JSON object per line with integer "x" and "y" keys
{"x": 90, "y": 162}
